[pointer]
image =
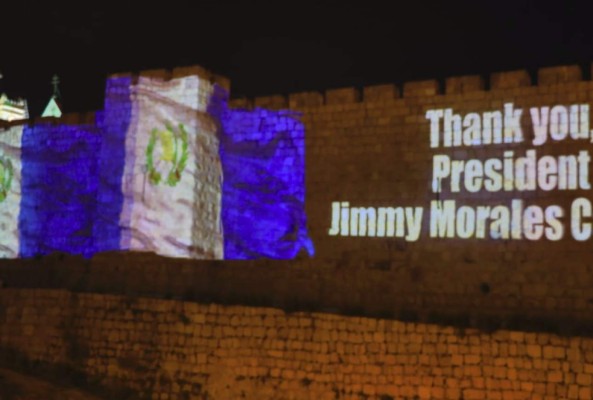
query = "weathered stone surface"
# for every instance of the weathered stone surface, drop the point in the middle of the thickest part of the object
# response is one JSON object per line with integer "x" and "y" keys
{"x": 174, "y": 349}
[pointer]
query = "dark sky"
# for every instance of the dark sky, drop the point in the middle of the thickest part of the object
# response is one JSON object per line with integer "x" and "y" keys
{"x": 282, "y": 47}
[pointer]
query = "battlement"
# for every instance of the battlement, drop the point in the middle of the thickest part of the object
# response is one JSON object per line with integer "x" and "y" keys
{"x": 178, "y": 72}
{"x": 89, "y": 118}
{"x": 458, "y": 85}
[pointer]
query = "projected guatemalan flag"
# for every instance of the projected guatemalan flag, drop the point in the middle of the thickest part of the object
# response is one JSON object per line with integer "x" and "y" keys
{"x": 167, "y": 168}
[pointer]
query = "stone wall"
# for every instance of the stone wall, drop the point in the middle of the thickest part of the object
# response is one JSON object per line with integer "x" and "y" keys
{"x": 465, "y": 295}
{"x": 366, "y": 317}
{"x": 166, "y": 349}
{"x": 370, "y": 147}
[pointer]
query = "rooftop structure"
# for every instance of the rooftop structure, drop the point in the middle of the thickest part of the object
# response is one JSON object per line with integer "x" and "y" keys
{"x": 53, "y": 108}
{"x": 11, "y": 110}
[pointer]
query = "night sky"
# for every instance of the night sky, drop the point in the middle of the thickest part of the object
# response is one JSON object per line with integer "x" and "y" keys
{"x": 283, "y": 47}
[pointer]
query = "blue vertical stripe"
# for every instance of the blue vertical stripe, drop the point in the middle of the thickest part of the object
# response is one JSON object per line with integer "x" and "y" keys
{"x": 263, "y": 202}
{"x": 59, "y": 188}
{"x": 114, "y": 125}
{"x": 72, "y": 196}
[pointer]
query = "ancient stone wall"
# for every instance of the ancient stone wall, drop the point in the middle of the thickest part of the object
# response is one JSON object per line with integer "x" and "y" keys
{"x": 367, "y": 316}
{"x": 165, "y": 349}
{"x": 371, "y": 147}
{"x": 464, "y": 294}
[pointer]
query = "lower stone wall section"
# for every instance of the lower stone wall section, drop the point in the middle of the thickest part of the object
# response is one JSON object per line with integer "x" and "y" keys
{"x": 168, "y": 349}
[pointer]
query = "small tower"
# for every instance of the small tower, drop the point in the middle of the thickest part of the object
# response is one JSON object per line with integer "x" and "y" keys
{"x": 53, "y": 108}
{"x": 11, "y": 110}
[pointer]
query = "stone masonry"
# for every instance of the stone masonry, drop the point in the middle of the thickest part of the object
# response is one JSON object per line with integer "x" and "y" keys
{"x": 166, "y": 349}
{"x": 333, "y": 326}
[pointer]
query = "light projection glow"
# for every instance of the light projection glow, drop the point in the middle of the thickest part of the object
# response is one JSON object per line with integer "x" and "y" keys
{"x": 401, "y": 222}
{"x": 59, "y": 188}
{"x": 526, "y": 173}
{"x": 263, "y": 158}
{"x": 10, "y": 190}
{"x": 167, "y": 169}
{"x": 114, "y": 122}
{"x": 506, "y": 172}
{"x": 172, "y": 178}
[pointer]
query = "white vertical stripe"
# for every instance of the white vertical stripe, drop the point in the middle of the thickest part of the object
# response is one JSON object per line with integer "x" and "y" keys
{"x": 10, "y": 149}
{"x": 181, "y": 220}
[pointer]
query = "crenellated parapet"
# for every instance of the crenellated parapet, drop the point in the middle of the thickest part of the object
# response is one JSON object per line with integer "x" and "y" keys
{"x": 178, "y": 72}
{"x": 457, "y": 85}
